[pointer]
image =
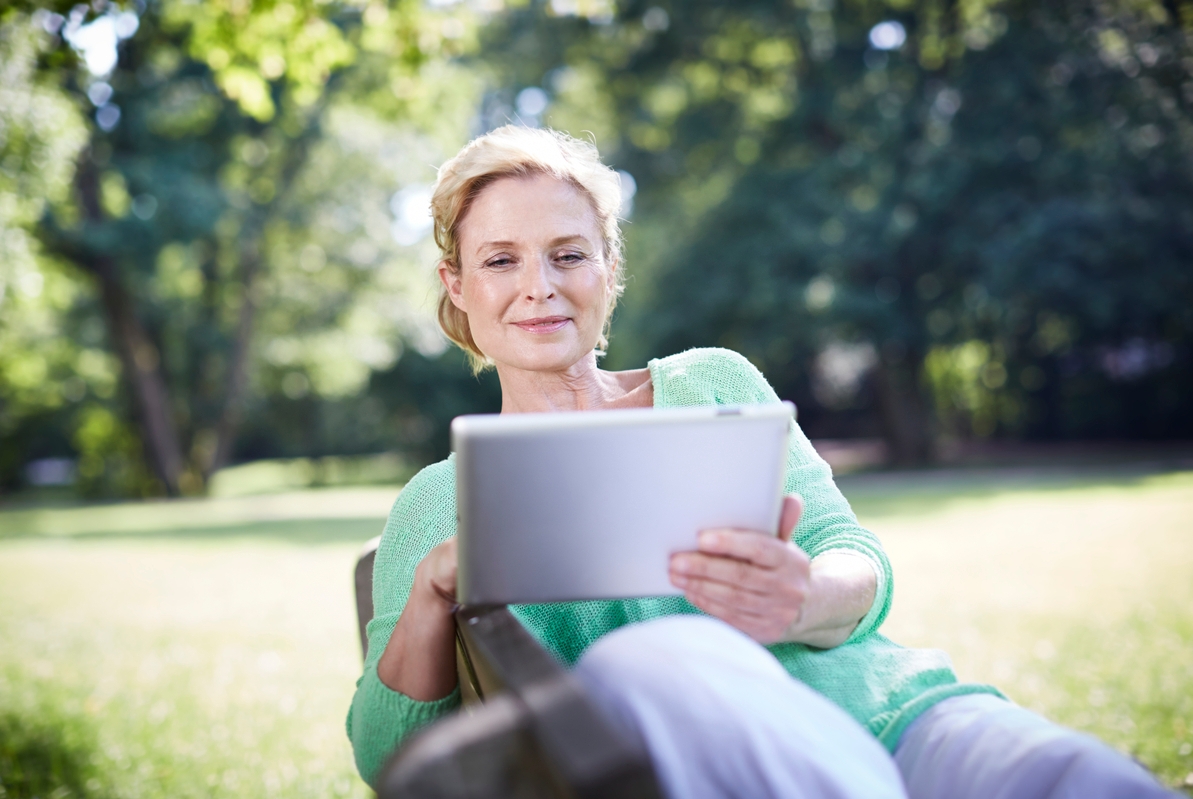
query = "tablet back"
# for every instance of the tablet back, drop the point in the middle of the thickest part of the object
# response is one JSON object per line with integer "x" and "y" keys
{"x": 591, "y": 505}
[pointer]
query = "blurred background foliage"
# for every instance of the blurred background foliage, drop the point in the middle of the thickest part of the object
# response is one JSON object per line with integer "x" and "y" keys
{"x": 925, "y": 220}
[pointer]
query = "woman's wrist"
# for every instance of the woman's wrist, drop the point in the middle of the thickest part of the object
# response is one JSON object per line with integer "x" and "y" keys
{"x": 419, "y": 659}
{"x": 841, "y": 589}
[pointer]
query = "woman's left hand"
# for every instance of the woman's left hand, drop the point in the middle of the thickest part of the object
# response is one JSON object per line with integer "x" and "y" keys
{"x": 755, "y": 581}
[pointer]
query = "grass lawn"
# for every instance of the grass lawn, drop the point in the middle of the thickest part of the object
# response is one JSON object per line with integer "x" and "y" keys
{"x": 1071, "y": 591}
{"x": 208, "y": 648}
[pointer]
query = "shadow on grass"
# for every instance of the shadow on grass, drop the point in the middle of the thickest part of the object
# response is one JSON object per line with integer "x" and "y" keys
{"x": 289, "y": 531}
{"x": 875, "y": 494}
{"x": 914, "y": 492}
{"x": 52, "y": 757}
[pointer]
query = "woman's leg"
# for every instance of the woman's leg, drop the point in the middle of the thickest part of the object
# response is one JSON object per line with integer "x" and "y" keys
{"x": 721, "y": 718}
{"x": 983, "y": 747}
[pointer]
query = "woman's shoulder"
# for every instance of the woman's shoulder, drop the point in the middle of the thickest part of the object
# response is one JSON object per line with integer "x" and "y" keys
{"x": 423, "y": 515}
{"x": 709, "y": 375}
{"x": 431, "y": 493}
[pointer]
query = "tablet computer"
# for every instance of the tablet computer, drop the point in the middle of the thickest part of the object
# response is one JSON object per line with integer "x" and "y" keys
{"x": 592, "y": 504}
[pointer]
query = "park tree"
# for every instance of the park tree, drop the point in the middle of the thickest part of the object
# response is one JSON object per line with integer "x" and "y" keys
{"x": 917, "y": 217}
{"x": 983, "y": 207}
{"x": 41, "y": 131}
{"x": 213, "y": 218}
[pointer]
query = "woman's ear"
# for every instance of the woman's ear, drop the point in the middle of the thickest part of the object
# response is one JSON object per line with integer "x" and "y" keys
{"x": 451, "y": 279}
{"x": 611, "y": 277}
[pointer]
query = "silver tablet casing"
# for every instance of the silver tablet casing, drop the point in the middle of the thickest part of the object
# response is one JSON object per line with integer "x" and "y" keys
{"x": 591, "y": 505}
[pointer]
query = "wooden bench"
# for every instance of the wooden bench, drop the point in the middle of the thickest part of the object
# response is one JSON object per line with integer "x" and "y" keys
{"x": 528, "y": 729}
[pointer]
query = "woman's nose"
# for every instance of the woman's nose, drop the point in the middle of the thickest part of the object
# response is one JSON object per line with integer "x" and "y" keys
{"x": 537, "y": 280}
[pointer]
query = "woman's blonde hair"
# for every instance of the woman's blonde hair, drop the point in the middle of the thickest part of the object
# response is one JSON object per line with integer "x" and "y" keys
{"x": 516, "y": 151}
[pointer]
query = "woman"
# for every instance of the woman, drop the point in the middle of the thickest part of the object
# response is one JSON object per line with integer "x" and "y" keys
{"x": 526, "y": 221}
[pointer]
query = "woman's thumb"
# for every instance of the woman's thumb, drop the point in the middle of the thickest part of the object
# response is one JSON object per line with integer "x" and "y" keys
{"x": 793, "y": 507}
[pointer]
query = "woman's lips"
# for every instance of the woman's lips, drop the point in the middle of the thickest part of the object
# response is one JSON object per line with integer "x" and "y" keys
{"x": 543, "y": 324}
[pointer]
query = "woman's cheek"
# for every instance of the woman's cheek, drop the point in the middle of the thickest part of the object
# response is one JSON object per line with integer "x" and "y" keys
{"x": 488, "y": 298}
{"x": 595, "y": 292}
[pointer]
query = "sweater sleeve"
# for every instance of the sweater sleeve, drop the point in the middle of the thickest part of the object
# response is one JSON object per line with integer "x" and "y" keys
{"x": 380, "y": 719}
{"x": 828, "y": 524}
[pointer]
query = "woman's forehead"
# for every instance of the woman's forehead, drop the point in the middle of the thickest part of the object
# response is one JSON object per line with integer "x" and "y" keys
{"x": 533, "y": 209}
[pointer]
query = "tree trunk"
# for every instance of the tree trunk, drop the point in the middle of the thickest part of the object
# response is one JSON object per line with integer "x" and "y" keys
{"x": 232, "y": 410}
{"x": 140, "y": 363}
{"x": 237, "y": 375}
{"x": 139, "y": 358}
{"x": 906, "y": 424}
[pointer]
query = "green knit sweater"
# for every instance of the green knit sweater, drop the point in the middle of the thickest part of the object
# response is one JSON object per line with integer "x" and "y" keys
{"x": 881, "y": 684}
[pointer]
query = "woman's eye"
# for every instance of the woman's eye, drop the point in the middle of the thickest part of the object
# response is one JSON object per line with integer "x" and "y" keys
{"x": 499, "y": 261}
{"x": 570, "y": 257}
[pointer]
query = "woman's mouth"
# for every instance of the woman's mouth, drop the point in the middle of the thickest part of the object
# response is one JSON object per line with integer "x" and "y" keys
{"x": 543, "y": 324}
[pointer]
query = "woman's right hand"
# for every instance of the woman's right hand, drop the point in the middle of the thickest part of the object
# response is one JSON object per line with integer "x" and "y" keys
{"x": 435, "y": 575}
{"x": 420, "y": 658}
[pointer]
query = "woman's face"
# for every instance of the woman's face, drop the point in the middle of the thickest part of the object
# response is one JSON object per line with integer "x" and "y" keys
{"x": 533, "y": 277}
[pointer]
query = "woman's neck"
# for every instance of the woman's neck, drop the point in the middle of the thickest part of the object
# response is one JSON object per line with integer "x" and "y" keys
{"x": 580, "y": 387}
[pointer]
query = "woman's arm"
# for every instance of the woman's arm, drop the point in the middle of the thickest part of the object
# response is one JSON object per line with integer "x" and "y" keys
{"x": 414, "y": 561}
{"x": 827, "y": 525}
{"x": 420, "y": 657}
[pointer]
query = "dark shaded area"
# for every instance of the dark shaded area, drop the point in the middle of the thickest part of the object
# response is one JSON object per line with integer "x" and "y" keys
{"x": 996, "y": 212}
{"x": 51, "y": 757}
{"x": 924, "y": 491}
{"x": 290, "y": 531}
{"x": 869, "y": 493}
{"x": 408, "y": 408}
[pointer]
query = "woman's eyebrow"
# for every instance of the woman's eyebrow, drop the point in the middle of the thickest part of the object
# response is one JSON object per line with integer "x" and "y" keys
{"x": 488, "y": 245}
{"x": 572, "y": 237}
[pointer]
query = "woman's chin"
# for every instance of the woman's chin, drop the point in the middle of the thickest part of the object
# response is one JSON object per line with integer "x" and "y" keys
{"x": 545, "y": 356}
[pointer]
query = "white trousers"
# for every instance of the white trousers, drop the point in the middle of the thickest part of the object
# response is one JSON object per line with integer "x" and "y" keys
{"x": 721, "y": 718}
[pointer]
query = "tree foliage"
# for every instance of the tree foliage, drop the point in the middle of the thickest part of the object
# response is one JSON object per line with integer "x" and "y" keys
{"x": 991, "y": 215}
{"x": 919, "y": 217}
{"x": 221, "y": 224}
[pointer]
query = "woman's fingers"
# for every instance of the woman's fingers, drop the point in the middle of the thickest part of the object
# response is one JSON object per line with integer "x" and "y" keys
{"x": 763, "y": 629}
{"x": 741, "y": 597}
{"x": 753, "y": 581}
{"x": 757, "y": 563}
{"x": 780, "y": 591}
{"x": 761, "y": 550}
{"x": 730, "y": 571}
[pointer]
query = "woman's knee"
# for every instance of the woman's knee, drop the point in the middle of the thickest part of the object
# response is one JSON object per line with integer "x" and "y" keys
{"x": 722, "y": 718}
{"x": 664, "y": 653}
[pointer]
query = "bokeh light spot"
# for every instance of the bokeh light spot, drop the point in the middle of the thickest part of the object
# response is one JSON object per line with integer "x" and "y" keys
{"x": 888, "y": 35}
{"x": 99, "y": 93}
{"x": 411, "y": 208}
{"x": 107, "y": 117}
{"x": 531, "y": 103}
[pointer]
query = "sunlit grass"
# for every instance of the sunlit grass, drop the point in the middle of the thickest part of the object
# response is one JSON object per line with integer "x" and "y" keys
{"x": 216, "y": 659}
{"x": 209, "y": 648}
{"x": 1071, "y": 593}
